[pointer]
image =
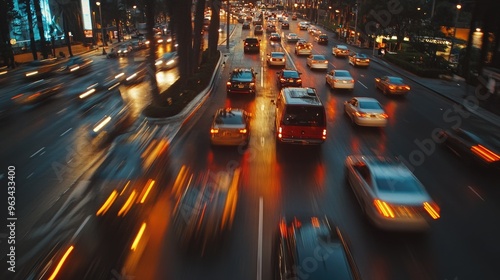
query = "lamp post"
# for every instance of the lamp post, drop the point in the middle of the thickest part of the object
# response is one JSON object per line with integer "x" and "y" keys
{"x": 102, "y": 28}
{"x": 454, "y": 31}
{"x": 227, "y": 24}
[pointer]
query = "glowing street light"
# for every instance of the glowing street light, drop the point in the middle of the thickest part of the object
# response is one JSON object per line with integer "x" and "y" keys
{"x": 454, "y": 30}
{"x": 102, "y": 28}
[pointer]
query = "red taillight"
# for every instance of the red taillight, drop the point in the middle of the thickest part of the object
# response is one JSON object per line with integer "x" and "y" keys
{"x": 385, "y": 116}
{"x": 361, "y": 114}
{"x": 214, "y": 131}
{"x": 243, "y": 131}
{"x": 228, "y": 84}
{"x": 383, "y": 208}
{"x": 407, "y": 87}
{"x": 280, "y": 130}
{"x": 324, "y": 134}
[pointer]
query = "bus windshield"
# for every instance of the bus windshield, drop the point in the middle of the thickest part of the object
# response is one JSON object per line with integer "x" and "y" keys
{"x": 300, "y": 115}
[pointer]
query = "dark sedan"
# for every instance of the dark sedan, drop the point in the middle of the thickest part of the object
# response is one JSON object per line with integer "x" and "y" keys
{"x": 392, "y": 85}
{"x": 317, "y": 240}
{"x": 242, "y": 80}
{"x": 289, "y": 78}
{"x": 322, "y": 39}
{"x": 77, "y": 65}
{"x": 468, "y": 145}
{"x": 37, "y": 92}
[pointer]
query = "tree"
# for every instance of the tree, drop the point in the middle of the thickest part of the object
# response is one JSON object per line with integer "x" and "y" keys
{"x": 151, "y": 68}
{"x": 181, "y": 16}
{"x": 41, "y": 31}
{"x": 7, "y": 13}
{"x": 198, "y": 31}
{"x": 213, "y": 28}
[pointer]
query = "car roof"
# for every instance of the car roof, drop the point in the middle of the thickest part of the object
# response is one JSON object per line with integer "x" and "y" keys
{"x": 341, "y": 47}
{"x": 301, "y": 96}
{"x": 314, "y": 237}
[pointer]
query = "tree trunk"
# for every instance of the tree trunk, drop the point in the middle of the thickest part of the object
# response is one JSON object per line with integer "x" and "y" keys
{"x": 198, "y": 30}
{"x": 182, "y": 12}
{"x": 151, "y": 67}
{"x": 213, "y": 28}
{"x": 39, "y": 21}
{"x": 67, "y": 39}
{"x": 34, "y": 50}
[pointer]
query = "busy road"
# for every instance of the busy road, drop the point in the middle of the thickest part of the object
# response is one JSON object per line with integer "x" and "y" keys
{"x": 66, "y": 183}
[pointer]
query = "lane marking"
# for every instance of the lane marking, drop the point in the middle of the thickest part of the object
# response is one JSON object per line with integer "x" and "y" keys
{"x": 62, "y": 134}
{"x": 80, "y": 228}
{"x": 37, "y": 152}
{"x": 60, "y": 111}
{"x": 363, "y": 85}
{"x": 261, "y": 76}
{"x": 29, "y": 176}
{"x": 476, "y": 193}
{"x": 259, "y": 242}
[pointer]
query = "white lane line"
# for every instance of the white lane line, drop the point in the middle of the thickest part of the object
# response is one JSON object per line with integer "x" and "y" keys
{"x": 62, "y": 134}
{"x": 476, "y": 193}
{"x": 262, "y": 76}
{"x": 37, "y": 152}
{"x": 333, "y": 65}
{"x": 60, "y": 111}
{"x": 29, "y": 176}
{"x": 259, "y": 242}
{"x": 363, "y": 85}
{"x": 80, "y": 228}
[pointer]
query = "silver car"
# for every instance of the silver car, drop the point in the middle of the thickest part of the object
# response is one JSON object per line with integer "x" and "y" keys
{"x": 340, "y": 79}
{"x": 276, "y": 59}
{"x": 389, "y": 194}
{"x": 365, "y": 111}
{"x": 230, "y": 127}
{"x": 317, "y": 61}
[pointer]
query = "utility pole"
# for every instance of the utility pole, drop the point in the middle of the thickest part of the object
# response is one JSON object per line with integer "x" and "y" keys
{"x": 227, "y": 24}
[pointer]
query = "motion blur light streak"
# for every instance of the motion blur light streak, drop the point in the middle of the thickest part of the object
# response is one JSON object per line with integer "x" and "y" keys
{"x": 147, "y": 190}
{"x": 383, "y": 208}
{"x": 102, "y": 124}
{"x": 125, "y": 188}
{"x": 485, "y": 153}
{"x": 433, "y": 212}
{"x": 107, "y": 204}
{"x": 87, "y": 93}
{"x": 138, "y": 237}
{"x": 128, "y": 204}
{"x": 61, "y": 262}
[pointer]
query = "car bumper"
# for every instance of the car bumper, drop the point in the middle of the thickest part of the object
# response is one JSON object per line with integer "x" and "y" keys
{"x": 301, "y": 141}
{"x": 276, "y": 63}
{"x": 343, "y": 85}
{"x": 319, "y": 66}
{"x": 252, "y": 49}
{"x": 304, "y": 52}
{"x": 400, "y": 224}
{"x": 229, "y": 141}
{"x": 361, "y": 63}
{"x": 241, "y": 90}
{"x": 398, "y": 92}
{"x": 375, "y": 122}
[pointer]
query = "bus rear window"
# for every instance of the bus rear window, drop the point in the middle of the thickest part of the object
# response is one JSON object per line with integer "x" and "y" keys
{"x": 304, "y": 116}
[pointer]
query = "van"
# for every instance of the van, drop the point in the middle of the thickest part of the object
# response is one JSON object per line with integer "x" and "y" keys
{"x": 300, "y": 117}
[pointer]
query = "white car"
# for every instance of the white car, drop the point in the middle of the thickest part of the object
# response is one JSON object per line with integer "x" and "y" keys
{"x": 303, "y": 25}
{"x": 317, "y": 61}
{"x": 303, "y": 48}
{"x": 276, "y": 59}
{"x": 230, "y": 126}
{"x": 366, "y": 111}
{"x": 167, "y": 61}
{"x": 340, "y": 51}
{"x": 389, "y": 194}
{"x": 340, "y": 79}
{"x": 292, "y": 37}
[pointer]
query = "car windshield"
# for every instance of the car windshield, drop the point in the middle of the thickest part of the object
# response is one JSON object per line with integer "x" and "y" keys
{"x": 395, "y": 80}
{"x": 369, "y": 105}
{"x": 229, "y": 117}
{"x": 397, "y": 184}
{"x": 342, "y": 74}
{"x": 290, "y": 74}
{"x": 304, "y": 116}
{"x": 242, "y": 75}
{"x": 361, "y": 56}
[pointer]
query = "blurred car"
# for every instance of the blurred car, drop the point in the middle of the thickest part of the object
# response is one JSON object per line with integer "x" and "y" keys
{"x": 365, "y": 111}
{"x": 340, "y": 79}
{"x": 124, "y": 50}
{"x": 241, "y": 80}
{"x": 473, "y": 148}
{"x": 241, "y": 20}
{"x": 276, "y": 59}
{"x": 275, "y": 37}
{"x": 251, "y": 45}
{"x": 257, "y": 21}
{"x": 230, "y": 127}
{"x": 77, "y": 65}
{"x": 292, "y": 37}
{"x": 313, "y": 30}
{"x": 136, "y": 74}
{"x": 392, "y": 85}
{"x": 322, "y": 39}
{"x": 41, "y": 69}
{"x": 294, "y": 17}
{"x": 204, "y": 213}
{"x": 359, "y": 59}
{"x": 258, "y": 30}
{"x": 4, "y": 74}
{"x": 97, "y": 93}
{"x": 317, "y": 61}
{"x": 285, "y": 25}
{"x": 303, "y": 25}
{"x": 389, "y": 194}
{"x": 167, "y": 61}
{"x": 271, "y": 28}
{"x": 289, "y": 78}
{"x": 312, "y": 239}
{"x": 340, "y": 51}
{"x": 303, "y": 48}
{"x": 246, "y": 25}
{"x": 37, "y": 92}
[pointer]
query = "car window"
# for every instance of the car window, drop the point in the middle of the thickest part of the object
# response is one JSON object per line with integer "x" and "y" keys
{"x": 341, "y": 74}
{"x": 242, "y": 75}
{"x": 290, "y": 74}
{"x": 369, "y": 105}
{"x": 403, "y": 183}
{"x": 396, "y": 80}
{"x": 304, "y": 115}
{"x": 225, "y": 117}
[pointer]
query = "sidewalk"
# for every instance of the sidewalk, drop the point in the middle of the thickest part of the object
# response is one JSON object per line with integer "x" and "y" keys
{"x": 458, "y": 92}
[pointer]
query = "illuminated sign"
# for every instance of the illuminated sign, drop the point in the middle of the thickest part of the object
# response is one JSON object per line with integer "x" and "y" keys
{"x": 86, "y": 15}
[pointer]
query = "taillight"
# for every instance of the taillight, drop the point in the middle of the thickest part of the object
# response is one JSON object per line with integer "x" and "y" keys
{"x": 392, "y": 87}
{"x": 352, "y": 81}
{"x": 384, "y": 208}
{"x": 385, "y": 116}
{"x": 299, "y": 80}
{"x": 228, "y": 83}
{"x": 361, "y": 114}
{"x": 485, "y": 153}
{"x": 407, "y": 87}
{"x": 324, "y": 134}
{"x": 280, "y": 130}
{"x": 432, "y": 209}
{"x": 243, "y": 131}
{"x": 283, "y": 80}
{"x": 214, "y": 131}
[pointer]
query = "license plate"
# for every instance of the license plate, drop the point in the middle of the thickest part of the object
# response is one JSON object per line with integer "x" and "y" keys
{"x": 241, "y": 86}
{"x": 290, "y": 80}
{"x": 344, "y": 82}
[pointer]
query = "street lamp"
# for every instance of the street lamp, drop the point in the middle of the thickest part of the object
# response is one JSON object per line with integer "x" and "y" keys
{"x": 102, "y": 28}
{"x": 454, "y": 31}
